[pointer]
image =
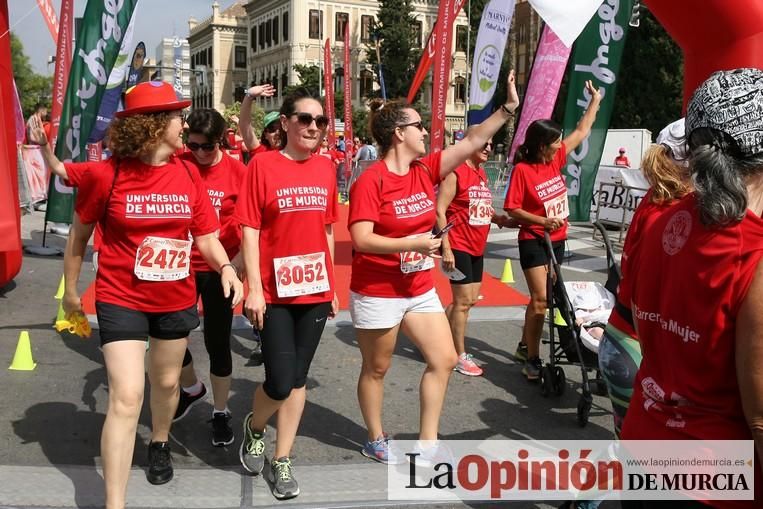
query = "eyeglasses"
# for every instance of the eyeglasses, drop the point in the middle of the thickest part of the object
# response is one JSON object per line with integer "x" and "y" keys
{"x": 272, "y": 128}
{"x": 488, "y": 146}
{"x": 206, "y": 147}
{"x": 305, "y": 120}
{"x": 418, "y": 125}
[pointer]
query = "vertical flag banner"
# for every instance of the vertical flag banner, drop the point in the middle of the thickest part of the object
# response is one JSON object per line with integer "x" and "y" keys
{"x": 177, "y": 65}
{"x": 568, "y": 18}
{"x": 63, "y": 61}
{"x": 113, "y": 95}
{"x": 18, "y": 117}
{"x": 597, "y": 57}
{"x": 49, "y": 14}
{"x": 545, "y": 79}
{"x": 98, "y": 42}
{"x": 426, "y": 58}
{"x": 488, "y": 55}
{"x": 441, "y": 74}
{"x": 136, "y": 65}
{"x": 328, "y": 88}
{"x": 348, "y": 145}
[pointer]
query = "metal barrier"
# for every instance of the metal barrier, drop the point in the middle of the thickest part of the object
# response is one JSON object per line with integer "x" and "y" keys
{"x": 626, "y": 202}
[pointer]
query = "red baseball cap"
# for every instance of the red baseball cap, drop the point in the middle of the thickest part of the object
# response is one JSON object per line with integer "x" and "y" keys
{"x": 151, "y": 97}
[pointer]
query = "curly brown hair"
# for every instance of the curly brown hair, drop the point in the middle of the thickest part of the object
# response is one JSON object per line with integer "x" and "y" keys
{"x": 137, "y": 135}
{"x": 384, "y": 118}
{"x": 669, "y": 180}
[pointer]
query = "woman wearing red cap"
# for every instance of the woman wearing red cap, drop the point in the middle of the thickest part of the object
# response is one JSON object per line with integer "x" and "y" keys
{"x": 149, "y": 205}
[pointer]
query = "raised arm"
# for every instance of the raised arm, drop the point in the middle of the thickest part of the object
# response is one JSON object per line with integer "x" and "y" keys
{"x": 480, "y": 134}
{"x": 37, "y": 136}
{"x": 245, "y": 129}
{"x": 583, "y": 129}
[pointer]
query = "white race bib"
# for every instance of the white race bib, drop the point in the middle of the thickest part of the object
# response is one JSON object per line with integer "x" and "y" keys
{"x": 480, "y": 211}
{"x": 160, "y": 259}
{"x": 557, "y": 207}
{"x": 301, "y": 275}
{"x": 412, "y": 261}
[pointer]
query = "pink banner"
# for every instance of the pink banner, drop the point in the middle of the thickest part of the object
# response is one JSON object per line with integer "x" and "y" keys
{"x": 348, "y": 144}
{"x": 37, "y": 174}
{"x": 63, "y": 62}
{"x": 328, "y": 89}
{"x": 545, "y": 79}
{"x": 49, "y": 14}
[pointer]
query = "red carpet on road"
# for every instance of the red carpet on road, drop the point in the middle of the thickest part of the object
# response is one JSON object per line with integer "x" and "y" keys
{"x": 494, "y": 292}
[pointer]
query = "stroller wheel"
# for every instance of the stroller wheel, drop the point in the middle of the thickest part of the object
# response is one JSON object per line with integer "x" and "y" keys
{"x": 546, "y": 381}
{"x": 598, "y": 386}
{"x": 560, "y": 381}
{"x": 584, "y": 409}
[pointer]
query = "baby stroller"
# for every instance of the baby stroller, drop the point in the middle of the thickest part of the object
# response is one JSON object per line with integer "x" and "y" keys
{"x": 573, "y": 308}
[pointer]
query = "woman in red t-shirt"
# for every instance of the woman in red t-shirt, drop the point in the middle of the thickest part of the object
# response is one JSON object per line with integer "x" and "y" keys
{"x": 392, "y": 214}
{"x": 147, "y": 203}
{"x": 537, "y": 198}
{"x": 287, "y": 209}
{"x": 465, "y": 198}
{"x": 223, "y": 176}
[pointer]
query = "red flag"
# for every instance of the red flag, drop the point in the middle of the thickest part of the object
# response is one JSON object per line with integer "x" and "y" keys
{"x": 441, "y": 74}
{"x": 426, "y": 57}
{"x": 328, "y": 88}
{"x": 348, "y": 148}
{"x": 63, "y": 61}
{"x": 49, "y": 13}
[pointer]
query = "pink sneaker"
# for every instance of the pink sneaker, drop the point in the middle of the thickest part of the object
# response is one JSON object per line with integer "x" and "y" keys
{"x": 466, "y": 366}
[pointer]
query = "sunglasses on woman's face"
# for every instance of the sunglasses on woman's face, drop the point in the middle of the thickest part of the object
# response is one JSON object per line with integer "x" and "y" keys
{"x": 418, "y": 125}
{"x": 305, "y": 119}
{"x": 488, "y": 146}
{"x": 206, "y": 147}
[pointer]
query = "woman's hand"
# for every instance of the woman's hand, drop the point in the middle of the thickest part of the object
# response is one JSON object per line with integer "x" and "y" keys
{"x": 254, "y": 309}
{"x": 266, "y": 90}
{"x": 427, "y": 246}
{"x": 71, "y": 303}
{"x": 552, "y": 223}
{"x": 512, "y": 97}
{"x": 231, "y": 283}
{"x": 594, "y": 92}
{"x": 334, "y": 307}
{"x": 37, "y": 134}
{"x": 448, "y": 260}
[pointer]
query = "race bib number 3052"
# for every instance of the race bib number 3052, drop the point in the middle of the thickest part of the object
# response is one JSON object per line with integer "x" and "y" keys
{"x": 557, "y": 207}
{"x": 301, "y": 275}
{"x": 160, "y": 259}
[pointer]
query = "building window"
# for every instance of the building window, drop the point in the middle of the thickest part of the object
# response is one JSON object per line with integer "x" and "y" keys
{"x": 209, "y": 56}
{"x": 338, "y": 79}
{"x": 262, "y": 35}
{"x": 253, "y": 38}
{"x": 366, "y": 83}
{"x": 284, "y": 81}
{"x": 285, "y": 26}
{"x": 268, "y": 34}
{"x": 366, "y": 28}
{"x": 275, "y": 30}
{"x": 238, "y": 94}
{"x": 460, "y": 92}
{"x": 342, "y": 19}
{"x": 239, "y": 57}
{"x": 418, "y": 29}
{"x": 316, "y": 23}
{"x": 461, "y": 38}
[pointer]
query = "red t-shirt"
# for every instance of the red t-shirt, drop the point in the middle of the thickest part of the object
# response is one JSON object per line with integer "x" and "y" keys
{"x": 223, "y": 182}
{"x": 261, "y": 148}
{"x": 146, "y": 215}
{"x": 622, "y": 161}
{"x": 471, "y": 210}
{"x": 685, "y": 313}
{"x": 399, "y": 206}
{"x": 539, "y": 188}
{"x": 291, "y": 202}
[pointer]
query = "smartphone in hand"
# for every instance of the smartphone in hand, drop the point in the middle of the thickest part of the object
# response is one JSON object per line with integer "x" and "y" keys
{"x": 445, "y": 229}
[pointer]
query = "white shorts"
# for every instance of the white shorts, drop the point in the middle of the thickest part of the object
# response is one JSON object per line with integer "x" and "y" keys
{"x": 386, "y": 312}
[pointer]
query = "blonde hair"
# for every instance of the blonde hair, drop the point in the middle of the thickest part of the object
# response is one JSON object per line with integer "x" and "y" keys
{"x": 137, "y": 135}
{"x": 669, "y": 181}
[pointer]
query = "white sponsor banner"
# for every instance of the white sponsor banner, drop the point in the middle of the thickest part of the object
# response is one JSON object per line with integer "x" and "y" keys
{"x": 569, "y": 469}
{"x": 614, "y": 199}
{"x": 568, "y": 18}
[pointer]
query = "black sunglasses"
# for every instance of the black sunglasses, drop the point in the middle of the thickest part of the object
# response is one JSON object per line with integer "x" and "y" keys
{"x": 305, "y": 119}
{"x": 272, "y": 128}
{"x": 489, "y": 145}
{"x": 418, "y": 125}
{"x": 206, "y": 147}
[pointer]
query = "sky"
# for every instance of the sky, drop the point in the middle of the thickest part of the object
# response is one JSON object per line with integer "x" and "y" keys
{"x": 155, "y": 19}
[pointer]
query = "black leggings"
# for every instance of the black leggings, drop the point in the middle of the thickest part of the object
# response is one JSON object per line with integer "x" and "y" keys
{"x": 218, "y": 320}
{"x": 290, "y": 338}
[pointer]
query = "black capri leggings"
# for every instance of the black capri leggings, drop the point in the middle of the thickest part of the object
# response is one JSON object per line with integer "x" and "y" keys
{"x": 290, "y": 338}
{"x": 218, "y": 320}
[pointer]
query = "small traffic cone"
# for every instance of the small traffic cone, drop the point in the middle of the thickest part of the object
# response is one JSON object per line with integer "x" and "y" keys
{"x": 508, "y": 275}
{"x": 558, "y": 320}
{"x": 22, "y": 359}
{"x": 60, "y": 293}
{"x": 60, "y": 315}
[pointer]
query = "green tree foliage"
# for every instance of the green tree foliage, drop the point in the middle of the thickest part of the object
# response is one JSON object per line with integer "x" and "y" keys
{"x": 33, "y": 88}
{"x": 399, "y": 53}
{"x": 308, "y": 78}
{"x": 258, "y": 115}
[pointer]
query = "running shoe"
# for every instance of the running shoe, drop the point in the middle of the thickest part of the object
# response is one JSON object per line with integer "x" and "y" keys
{"x": 186, "y": 402}
{"x": 532, "y": 368}
{"x": 282, "y": 476}
{"x": 467, "y": 366}
{"x": 159, "y": 463}
{"x": 222, "y": 433}
{"x": 252, "y": 452}
{"x": 255, "y": 357}
{"x": 521, "y": 353}
{"x": 380, "y": 451}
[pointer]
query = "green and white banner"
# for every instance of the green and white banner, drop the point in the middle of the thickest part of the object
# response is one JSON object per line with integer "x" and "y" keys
{"x": 597, "y": 56}
{"x": 103, "y": 27}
